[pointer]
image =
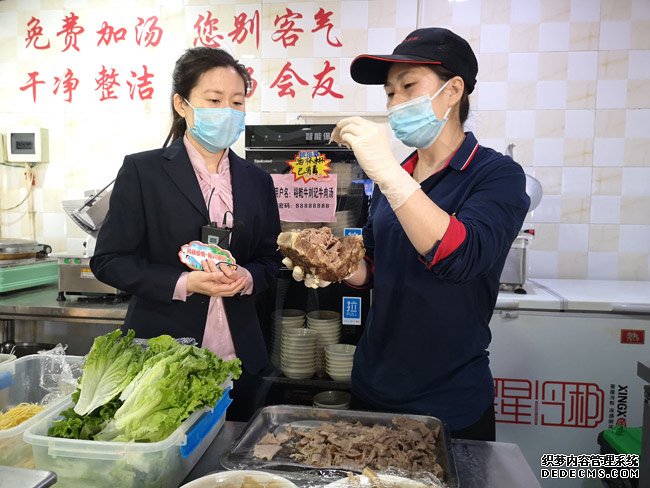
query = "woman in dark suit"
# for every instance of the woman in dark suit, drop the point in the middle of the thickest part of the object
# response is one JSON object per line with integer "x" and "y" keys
{"x": 162, "y": 199}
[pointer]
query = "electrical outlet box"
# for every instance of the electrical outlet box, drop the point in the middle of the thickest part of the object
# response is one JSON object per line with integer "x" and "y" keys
{"x": 27, "y": 145}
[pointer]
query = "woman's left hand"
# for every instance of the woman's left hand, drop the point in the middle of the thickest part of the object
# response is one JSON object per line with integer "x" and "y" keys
{"x": 231, "y": 278}
{"x": 370, "y": 144}
{"x": 371, "y": 147}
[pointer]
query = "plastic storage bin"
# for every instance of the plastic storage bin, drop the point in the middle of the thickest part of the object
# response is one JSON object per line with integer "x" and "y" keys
{"x": 163, "y": 464}
{"x": 620, "y": 440}
{"x": 21, "y": 381}
{"x": 4, "y": 358}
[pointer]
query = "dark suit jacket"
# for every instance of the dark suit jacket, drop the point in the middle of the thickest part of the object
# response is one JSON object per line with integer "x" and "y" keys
{"x": 156, "y": 206}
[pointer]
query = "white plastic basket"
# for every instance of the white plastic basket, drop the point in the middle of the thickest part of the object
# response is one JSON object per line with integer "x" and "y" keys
{"x": 82, "y": 463}
{"x": 20, "y": 381}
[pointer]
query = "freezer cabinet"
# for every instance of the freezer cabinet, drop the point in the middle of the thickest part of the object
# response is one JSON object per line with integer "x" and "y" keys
{"x": 561, "y": 378}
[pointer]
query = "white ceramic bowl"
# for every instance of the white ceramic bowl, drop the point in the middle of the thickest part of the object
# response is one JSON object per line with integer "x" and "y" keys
{"x": 323, "y": 317}
{"x": 298, "y": 374}
{"x": 341, "y": 349}
{"x": 339, "y": 369}
{"x": 339, "y": 364}
{"x": 232, "y": 478}
{"x": 288, "y": 313}
{"x": 339, "y": 377}
{"x": 332, "y": 399}
{"x": 389, "y": 480}
{"x": 298, "y": 333}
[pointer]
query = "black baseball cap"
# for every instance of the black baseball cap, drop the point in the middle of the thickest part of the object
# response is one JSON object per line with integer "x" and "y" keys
{"x": 431, "y": 45}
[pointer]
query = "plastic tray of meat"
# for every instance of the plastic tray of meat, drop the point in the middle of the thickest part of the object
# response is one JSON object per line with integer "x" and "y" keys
{"x": 312, "y": 445}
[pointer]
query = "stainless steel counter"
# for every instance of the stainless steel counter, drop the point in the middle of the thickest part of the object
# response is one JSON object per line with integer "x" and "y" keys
{"x": 25, "y": 478}
{"x": 479, "y": 464}
{"x": 40, "y": 303}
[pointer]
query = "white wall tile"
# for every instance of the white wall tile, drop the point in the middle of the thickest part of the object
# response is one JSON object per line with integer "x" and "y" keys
{"x": 636, "y": 182}
{"x": 608, "y": 152}
{"x": 614, "y": 35}
{"x": 611, "y": 94}
{"x": 637, "y": 123}
{"x": 492, "y": 96}
{"x": 574, "y": 237}
{"x": 634, "y": 238}
{"x": 567, "y": 81}
{"x": 554, "y": 36}
{"x": 8, "y": 25}
{"x": 495, "y": 38}
{"x": 520, "y": 123}
{"x": 354, "y": 15}
{"x": 466, "y": 13}
{"x": 549, "y": 209}
{"x": 53, "y": 224}
{"x": 542, "y": 264}
{"x": 525, "y": 12}
{"x": 551, "y": 95}
{"x": 640, "y": 10}
{"x": 579, "y": 123}
{"x": 576, "y": 181}
{"x": 639, "y": 65}
{"x": 585, "y": 10}
{"x": 605, "y": 209}
{"x": 602, "y": 265}
{"x": 382, "y": 41}
{"x": 582, "y": 65}
{"x": 548, "y": 152}
{"x": 523, "y": 66}
{"x": 406, "y": 14}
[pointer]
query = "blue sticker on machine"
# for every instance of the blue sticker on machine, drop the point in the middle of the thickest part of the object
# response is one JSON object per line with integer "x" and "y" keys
{"x": 351, "y": 231}
{"x": 351, "y": 311}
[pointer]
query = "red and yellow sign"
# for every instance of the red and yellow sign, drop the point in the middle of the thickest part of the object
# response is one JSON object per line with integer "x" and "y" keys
{"x": 309, "y": 165}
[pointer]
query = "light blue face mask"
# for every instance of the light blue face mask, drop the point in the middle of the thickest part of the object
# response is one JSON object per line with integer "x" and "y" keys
{"x": 415, "y": 123}
{"x": 217, "y": 128}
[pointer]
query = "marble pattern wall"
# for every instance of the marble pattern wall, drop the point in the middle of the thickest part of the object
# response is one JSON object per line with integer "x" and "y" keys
{"x": 567, "y": 82}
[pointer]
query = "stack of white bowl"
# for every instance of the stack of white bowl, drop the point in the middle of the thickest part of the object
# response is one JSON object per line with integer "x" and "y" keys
{"x": 338, "y": 359}
{"x": 290, "y": 318}
{"x": 327, "y": 325}
{"x": 298, "y": 353}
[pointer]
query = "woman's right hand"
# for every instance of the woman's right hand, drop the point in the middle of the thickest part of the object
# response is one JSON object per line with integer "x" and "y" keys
{"x": 215, "y": 283}
{"x": 298, "y": 274}
{"x": 360, "y": 276}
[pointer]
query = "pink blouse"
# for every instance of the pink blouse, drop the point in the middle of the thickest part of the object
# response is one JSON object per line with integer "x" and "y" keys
{"x": 217, "y": 337}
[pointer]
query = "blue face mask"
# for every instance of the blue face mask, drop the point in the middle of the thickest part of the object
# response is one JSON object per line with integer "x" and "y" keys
{"x": 415, "y": 123}
{"x": 216, "y": 128}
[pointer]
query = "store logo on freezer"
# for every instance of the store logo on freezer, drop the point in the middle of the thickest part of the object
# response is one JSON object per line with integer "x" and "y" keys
{"x": 618, "y": 400}
{"x": 549, "y": 403}
{"x": 632, "y": 336}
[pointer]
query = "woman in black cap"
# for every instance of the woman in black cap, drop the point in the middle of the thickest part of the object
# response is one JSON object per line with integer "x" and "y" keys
{"x": 439, "y": 229}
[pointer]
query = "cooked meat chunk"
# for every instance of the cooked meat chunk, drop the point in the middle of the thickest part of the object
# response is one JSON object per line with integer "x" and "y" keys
{"x": 407, "y": 444}
{"x": 266, "y": 451}
{"x": 321, "y": 253}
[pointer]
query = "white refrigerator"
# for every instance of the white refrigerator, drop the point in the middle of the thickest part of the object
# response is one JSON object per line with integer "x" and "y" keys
{"x": 564, "y": 360}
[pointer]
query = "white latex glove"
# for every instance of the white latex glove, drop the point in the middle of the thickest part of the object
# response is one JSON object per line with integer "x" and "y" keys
{"x": 298, "y": 274}
{"x": 369, "y": 142}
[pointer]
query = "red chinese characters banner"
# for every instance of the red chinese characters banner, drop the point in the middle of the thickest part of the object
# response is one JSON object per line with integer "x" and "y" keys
{"x": 301, "y": 43}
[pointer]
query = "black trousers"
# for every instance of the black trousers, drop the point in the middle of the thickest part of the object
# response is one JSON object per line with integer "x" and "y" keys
{"x": 484, "y": 429}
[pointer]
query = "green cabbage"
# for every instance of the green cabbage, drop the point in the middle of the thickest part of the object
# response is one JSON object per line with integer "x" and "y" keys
{"x": 136, "y": 394}
{"x": 169, "y": 388}
{"x": 112, "y": 363}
